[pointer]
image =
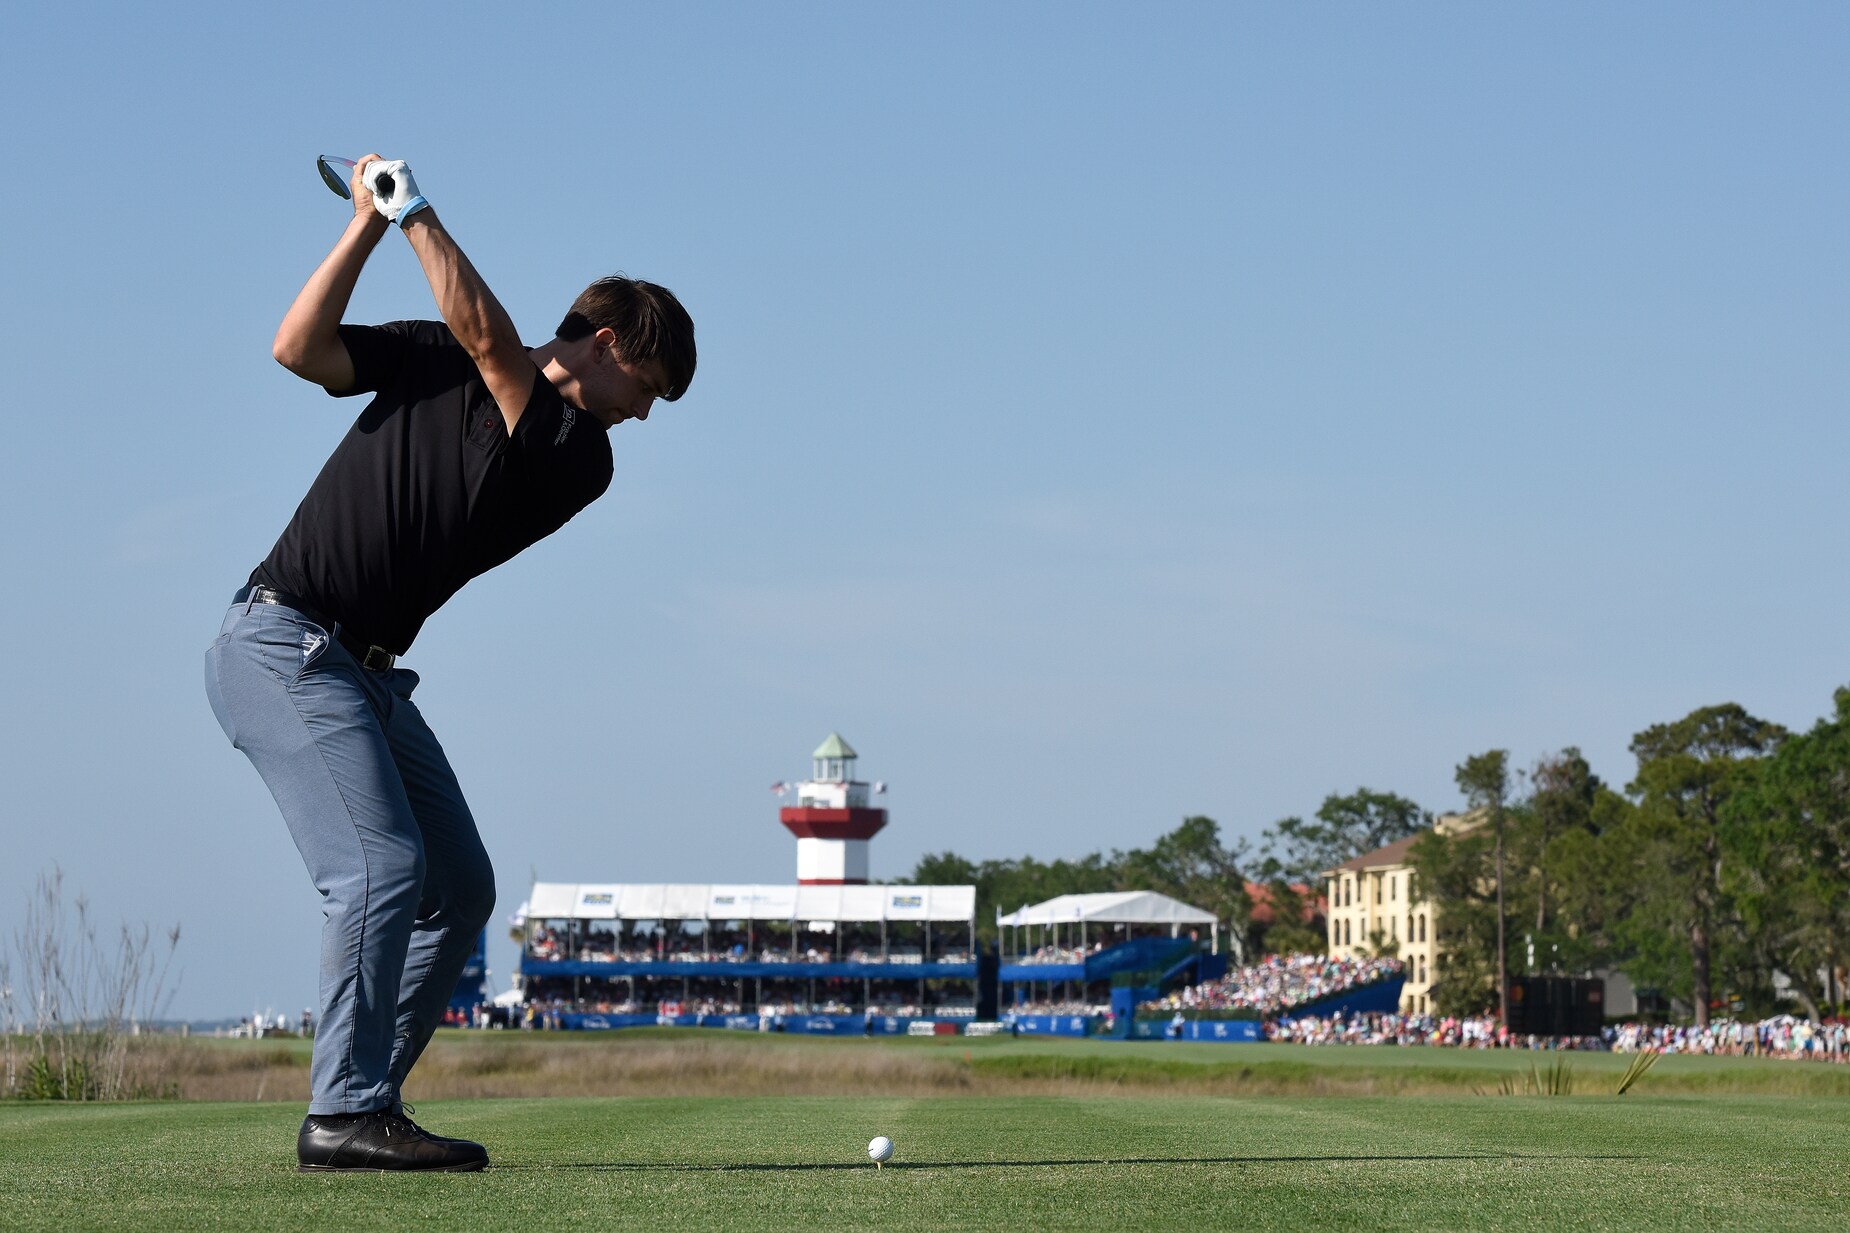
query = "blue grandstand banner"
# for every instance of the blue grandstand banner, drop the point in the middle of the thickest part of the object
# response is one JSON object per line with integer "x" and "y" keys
{"x": 595, "y": 1022}
{"x": 844, "y": 1025}
{"x": 795, "y": 1025}
{"x": 1226, "y": 1031}
{"x": 1222, "y": 1030}
{"x": 1056, "y": 1025}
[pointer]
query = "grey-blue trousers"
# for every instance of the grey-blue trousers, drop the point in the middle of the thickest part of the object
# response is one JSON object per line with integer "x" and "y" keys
{"x": 378, "y": 817}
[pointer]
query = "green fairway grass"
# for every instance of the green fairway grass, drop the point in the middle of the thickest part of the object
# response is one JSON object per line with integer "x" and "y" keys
{"x": 1147, "y": 1162}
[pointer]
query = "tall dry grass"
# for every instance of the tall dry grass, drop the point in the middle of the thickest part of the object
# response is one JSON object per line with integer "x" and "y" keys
{"x": 519, "y": 1064}
{"x": 73, "y": 998}
{"x": 541, "y": 1066}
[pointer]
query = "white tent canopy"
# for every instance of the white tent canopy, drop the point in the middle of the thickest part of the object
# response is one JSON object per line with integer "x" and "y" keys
{"x": 1110, "y": 908}
{"x": 682, "y": 901}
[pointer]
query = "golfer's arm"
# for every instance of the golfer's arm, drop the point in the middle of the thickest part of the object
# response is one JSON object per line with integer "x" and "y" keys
{"x": 308, "y": 341}
{"x": 474, "y": 315}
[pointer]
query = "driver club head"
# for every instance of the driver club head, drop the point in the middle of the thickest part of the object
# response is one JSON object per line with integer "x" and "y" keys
{"x": 381, "y": 183}
{"x": 332, "y": 178}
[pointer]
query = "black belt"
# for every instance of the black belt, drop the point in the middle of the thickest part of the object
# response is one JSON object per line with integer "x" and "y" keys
{"x": 372, "y": 658}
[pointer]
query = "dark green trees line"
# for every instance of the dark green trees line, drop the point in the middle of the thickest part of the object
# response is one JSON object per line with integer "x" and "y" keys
{"x": 1719, "y": 876}
{"x": 1193, "y": 864}
{"x": 1190, "y": 863}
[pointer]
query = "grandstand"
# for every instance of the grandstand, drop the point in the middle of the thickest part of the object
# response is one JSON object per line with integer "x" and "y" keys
{"x": 1079, "y": 964}
{"x": 818, "y": 958}
{"x": 835, "y": 955}
{"x": 830, "y": 954}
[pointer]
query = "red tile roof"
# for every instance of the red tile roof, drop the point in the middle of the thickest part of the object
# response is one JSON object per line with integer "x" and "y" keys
{"x": 1261, "y": 896}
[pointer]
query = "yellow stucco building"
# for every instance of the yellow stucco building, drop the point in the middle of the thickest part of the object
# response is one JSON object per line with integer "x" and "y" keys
{"x": 1372, "y": 911}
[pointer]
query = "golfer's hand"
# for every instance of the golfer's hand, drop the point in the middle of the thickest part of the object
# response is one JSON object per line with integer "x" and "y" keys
{"x": 399, "y": 199}
{"x": 362, "y": 195}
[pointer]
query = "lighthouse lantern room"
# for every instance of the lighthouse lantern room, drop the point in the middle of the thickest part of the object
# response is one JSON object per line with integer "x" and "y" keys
{"x": 832, "y": 819}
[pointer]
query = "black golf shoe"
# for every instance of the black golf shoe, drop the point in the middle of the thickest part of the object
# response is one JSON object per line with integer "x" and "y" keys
{"x": 405, "y": 1110}
{"x": 380, "y": 1142}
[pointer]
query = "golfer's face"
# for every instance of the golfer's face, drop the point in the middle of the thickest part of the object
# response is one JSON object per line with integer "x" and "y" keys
{"x": 630, "y": 389}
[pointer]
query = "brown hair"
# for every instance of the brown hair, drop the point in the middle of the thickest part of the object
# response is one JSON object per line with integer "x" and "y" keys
{"x": 649, "y": 323}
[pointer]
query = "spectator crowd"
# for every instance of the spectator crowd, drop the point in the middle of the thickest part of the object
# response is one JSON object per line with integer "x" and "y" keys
{"x": 1783, "y": 1036}
{"x": 603, "y": 945}
{"x": 1059, "y": 954}
{"x": 1276, "y": 990}
{"x": 1279, "y": 983}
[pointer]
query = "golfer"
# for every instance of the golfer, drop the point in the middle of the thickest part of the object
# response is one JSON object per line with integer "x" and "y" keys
{"x": 472, "y": 447}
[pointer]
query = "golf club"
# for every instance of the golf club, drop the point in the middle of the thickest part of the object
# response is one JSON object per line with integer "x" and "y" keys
{"x": 335, "y": 180}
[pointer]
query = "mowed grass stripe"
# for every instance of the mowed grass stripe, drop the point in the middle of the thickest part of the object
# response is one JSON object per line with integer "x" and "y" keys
{"x": 1095, "y": 1162}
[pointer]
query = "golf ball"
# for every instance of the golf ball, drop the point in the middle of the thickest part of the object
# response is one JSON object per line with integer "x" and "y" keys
{"x": 880, "y": 1149}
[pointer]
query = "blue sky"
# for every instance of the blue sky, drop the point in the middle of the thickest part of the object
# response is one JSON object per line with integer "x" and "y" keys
{"x": 1104, "y": 415}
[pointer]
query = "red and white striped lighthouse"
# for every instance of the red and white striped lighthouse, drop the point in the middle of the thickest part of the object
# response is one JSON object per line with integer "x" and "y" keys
{"x": 832, "y": 819}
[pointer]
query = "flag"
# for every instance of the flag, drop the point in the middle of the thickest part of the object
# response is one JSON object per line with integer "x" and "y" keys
{"x": 880, "y": 789}
{"x": 780, "y": 788}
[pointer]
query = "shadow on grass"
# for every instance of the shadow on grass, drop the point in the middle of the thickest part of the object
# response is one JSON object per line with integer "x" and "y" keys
{"x": 844, "y": 1166}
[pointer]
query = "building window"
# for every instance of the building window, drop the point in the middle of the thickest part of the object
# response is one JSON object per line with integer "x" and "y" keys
{"x": 1422, "y": 969}
{"x": 1422, "y": 926}
{"x": 1394, "y": 928}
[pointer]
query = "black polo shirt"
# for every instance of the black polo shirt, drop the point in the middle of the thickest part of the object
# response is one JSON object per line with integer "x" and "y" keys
{"x": 427, "y": 489}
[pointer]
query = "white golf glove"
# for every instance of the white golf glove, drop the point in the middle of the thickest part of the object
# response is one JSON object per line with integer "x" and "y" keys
{"x": 403, "y": 200}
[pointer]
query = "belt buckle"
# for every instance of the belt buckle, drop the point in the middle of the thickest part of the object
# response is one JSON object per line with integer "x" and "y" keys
{"x": 377, "y": 659}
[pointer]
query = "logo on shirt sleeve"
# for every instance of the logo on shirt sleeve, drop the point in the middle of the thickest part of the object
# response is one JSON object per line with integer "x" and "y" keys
{"x": 565, "y": 424}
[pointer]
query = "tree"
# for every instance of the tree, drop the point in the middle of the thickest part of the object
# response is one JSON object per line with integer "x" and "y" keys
{"x": 945, "y": 869}
{"x": 1457, "y": 872}
{"x": 1687, "y": 770}
{"x": 1564, "y": 791}
{"x": 1785, "y": 841}
{"x": 1294, "y": 855}
{"x": 1368, "y": 819}
{"x": 1590, "y": 879}
{"x": 1344, "y": 828}
{"x": 1485, "y": 781}
{"x": 1191, "y": 864}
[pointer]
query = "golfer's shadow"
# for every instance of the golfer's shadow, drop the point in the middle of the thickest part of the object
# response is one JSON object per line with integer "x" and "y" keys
{"x": 843, "y": 1166}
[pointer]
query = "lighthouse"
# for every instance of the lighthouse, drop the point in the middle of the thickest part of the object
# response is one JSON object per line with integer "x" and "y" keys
{"x": 832, "y": 819}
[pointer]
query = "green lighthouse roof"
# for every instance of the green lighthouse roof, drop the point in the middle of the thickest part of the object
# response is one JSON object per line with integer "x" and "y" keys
{"x": 835, "y": 747}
